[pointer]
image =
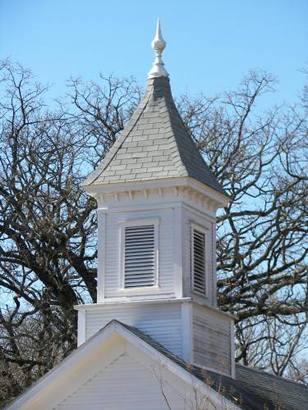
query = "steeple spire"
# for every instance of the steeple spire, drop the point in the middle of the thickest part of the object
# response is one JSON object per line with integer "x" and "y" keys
{"x": 158, "y": 44}
{"x": 155, "y": 144}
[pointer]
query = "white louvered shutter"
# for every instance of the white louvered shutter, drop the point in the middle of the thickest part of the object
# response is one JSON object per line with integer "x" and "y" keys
{"x": 139, "y": 256}
{"x": 198, "y": 261}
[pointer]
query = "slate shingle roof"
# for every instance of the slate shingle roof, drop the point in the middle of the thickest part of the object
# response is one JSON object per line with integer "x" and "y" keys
{"x": 154, "y": 144}
{"x": 277, "y": 390}
{"x": 252, "y": 389}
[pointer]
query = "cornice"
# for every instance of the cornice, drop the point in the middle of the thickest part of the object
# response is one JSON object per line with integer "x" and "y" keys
{"x": 197, "y": 191}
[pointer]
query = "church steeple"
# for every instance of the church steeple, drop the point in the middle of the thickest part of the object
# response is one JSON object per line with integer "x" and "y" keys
{"x": 157, "y": 201}
{"x": 155, "y": 143}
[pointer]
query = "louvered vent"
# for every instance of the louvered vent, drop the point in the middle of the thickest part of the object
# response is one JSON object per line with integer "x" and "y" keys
{"x": 198, "y": 261}
{"x": 139, "y": 259}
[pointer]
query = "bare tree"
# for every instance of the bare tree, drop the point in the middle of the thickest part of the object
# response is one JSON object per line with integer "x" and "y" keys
{"x": 259, "y": 158}
{"x": 271, "y": 343}
{"x": 47, "y": 225}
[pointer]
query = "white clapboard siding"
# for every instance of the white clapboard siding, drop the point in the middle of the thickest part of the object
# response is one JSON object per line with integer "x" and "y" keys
{"x": 211, "y": 340}
{"x": 162, "y": 322}
{"x": 124, "y": 384}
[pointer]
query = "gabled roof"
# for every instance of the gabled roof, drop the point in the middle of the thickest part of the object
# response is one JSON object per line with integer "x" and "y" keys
{"x": 155, "y": 144}
{"x": 252, "y": 389}
{"x": 81, "y": 366}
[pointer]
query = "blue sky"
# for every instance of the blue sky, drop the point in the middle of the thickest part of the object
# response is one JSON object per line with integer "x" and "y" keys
{"x": 211, "y": 44}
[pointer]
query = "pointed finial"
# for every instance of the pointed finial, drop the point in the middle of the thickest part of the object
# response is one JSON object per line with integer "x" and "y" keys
{"x": 158, "y": 44}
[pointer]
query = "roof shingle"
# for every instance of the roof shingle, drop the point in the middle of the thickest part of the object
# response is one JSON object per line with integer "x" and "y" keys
{"x": 154, "y": 144}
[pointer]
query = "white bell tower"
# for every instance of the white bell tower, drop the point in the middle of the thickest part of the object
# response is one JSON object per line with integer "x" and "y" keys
{"x": 157, "y": 203}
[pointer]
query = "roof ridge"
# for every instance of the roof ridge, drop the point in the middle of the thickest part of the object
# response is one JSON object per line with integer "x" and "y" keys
{"x": 171, "y": 104}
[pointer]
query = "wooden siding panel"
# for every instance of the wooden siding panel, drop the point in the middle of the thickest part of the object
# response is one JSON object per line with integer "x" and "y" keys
{"x": 160, "y": 321}
{"x": 187, "y": 283}
{"x": 211, "y": 340}
{"x": 124, "y": 384}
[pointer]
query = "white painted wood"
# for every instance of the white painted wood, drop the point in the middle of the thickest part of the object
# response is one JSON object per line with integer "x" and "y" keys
{"x": 194, "y": 218}
{"x": 200, "y": 232}
{"x": 213, "y": 250}
{"x": 199, "y": 334}
{"x": 113, "y": 278}
{"x": 119, "y": 386}
{"x": 176, "y": 207}
{"x": 187, "y": 332}
{"x": 101, "y": 252}
{"x": 136, "y": 223}
{"x": 178, "y": 250}
{"x": 81, "y": 333}
{"x": 219, "y": 199}
{"x": 192, "y": 333}
{"x": 118, "y": 370}
{"x": 232, "y": 349}
{"x": 164, "y": 197}
{"x": 160, "y": 321}
{"x": 212, "y": 340}
{"x": 176, "y": 214}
